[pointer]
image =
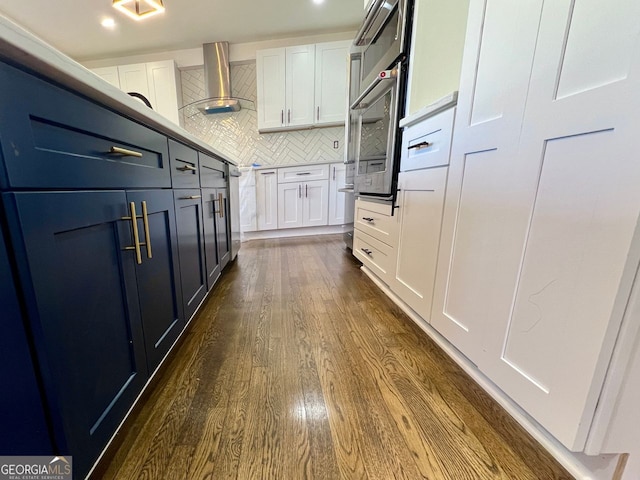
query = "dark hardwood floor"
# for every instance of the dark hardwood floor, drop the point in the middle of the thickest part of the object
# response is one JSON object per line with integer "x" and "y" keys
{"x": 298, "y": 367}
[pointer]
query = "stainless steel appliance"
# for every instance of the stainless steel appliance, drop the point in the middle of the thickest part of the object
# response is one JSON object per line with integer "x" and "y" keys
{"x": 377, "y": 104}
{"x": 384, "y": 36}
{"x": 234, "y": 202}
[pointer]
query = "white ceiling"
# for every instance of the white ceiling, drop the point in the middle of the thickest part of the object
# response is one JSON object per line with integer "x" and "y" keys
{"x": 73, "y": 26}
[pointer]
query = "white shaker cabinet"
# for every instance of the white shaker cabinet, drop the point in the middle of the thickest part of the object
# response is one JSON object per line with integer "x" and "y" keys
{"x": 331, "y": 83}
{"x": 109, "y": 74}
{"x": 285, "y": 78}
{"x": 267, "y": 199}
{"x": 157, "y": 81}
{"x": 420, "y": 202}
{"x": 303, "y": 196}
{"x": 537, "y": 256}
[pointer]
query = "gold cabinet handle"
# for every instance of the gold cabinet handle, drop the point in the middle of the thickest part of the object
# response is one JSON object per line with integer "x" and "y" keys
{"x": 221, "y": 202}
{"x": 136, "y": 237}
{"x": 124, "y": 152}
{"x": 147, "y": 233}
{"x": 191, "y": 197}
{"x": 187, "y": 168}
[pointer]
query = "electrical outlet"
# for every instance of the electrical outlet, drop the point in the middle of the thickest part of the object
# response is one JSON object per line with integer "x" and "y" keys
{"x": 336, "y": 144}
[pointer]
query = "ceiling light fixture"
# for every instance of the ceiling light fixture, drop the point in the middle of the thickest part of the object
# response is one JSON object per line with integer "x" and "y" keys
{"x": 139, "y": 9}
{"x": 108, "y": 23}
{"x": 318, "y": 2}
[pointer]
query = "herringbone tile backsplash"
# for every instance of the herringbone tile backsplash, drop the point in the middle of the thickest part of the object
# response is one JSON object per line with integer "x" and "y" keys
{"x": 236, "y": 134}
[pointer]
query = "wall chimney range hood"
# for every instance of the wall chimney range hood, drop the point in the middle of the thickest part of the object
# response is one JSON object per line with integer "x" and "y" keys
{"x": 217, "y": 84}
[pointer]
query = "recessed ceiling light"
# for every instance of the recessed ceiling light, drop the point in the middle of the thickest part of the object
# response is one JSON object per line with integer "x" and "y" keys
{"x": 318, "y": 2}
{"x": 108, "y": 23}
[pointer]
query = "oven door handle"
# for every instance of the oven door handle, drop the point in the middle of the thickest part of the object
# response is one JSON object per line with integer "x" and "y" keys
{"x": 382, "y": 76}
{"x": 370, "y": 17}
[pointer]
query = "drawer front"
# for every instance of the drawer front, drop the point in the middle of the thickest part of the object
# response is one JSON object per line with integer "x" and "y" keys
{"x": 379, "y": 257}
{"x": 213, "y": 172}
{"x": 185, "y": 172}
{"x": 370, "y": 220}
{"x": 303, "y": 174}
{"x": 427, "y": 144}
{"x": 51, "y": 138}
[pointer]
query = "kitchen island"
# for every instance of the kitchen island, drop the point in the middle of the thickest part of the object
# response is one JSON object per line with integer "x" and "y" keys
{"x": 114, "y": 227}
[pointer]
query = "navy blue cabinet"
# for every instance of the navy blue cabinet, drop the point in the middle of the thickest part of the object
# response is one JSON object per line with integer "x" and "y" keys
{"x": 184, "y": 166}
{"x": 158, "y": 272}
{"x": 214, "y": 180}
{"x": 104, "y": 262}
{"x": 52, "y": 138}
{"x": 79, "y": 277}
{"x": 22, "y": 414}
{"x": 193, "y": 278}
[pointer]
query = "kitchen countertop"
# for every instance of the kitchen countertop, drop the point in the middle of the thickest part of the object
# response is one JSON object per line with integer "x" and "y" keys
{"x": 24, "y": 49}
{"x": 271, "y": 167}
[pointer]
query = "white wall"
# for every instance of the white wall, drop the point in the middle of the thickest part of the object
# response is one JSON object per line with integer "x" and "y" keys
{"x": 238, "y": 52}
{"x": 436, "y": 50}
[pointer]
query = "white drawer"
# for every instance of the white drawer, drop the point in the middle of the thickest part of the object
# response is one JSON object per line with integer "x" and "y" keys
{"x": 375, "y": 255}
{"x": 304, "y": 173}
{"x": 375, "y": 219}
{"x": 428, "y": 143}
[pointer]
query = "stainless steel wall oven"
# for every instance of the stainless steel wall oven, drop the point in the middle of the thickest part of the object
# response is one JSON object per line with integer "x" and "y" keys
{"x": 377, "y": 103}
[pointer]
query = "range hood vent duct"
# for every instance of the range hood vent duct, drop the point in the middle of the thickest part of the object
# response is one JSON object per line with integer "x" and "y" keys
{"x": 217, "y": 85}
{"x": 217, "y": 80}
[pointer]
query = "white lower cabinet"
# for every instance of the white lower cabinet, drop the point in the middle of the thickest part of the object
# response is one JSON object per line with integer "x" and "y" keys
{"x": 303, "y": 204}
{"x": 375, "y": 238}
{"x": 267, "y": 199}
{"x": 420, "y": 202}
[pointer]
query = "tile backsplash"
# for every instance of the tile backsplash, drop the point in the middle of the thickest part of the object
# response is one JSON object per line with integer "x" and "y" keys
{"x": 236, "y": 134}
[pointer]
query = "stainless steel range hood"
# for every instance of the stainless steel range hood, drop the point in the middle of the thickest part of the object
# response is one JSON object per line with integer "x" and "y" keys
{"x": 217, "y": 80}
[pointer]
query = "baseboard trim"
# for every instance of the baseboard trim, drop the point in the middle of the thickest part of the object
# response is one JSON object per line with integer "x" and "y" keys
{"x": 293, "y": 232}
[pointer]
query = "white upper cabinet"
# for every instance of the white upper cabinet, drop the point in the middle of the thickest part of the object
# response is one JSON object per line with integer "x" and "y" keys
{"x": 270, "y": 66}
{"x": 285, "y": 87}
{"x": 157, "y": 81}
{"x": 537, "y": 254}
{"x": 110, "y": 74}
{"x": 331, "y": 82}
{"x": 302, "y": 86}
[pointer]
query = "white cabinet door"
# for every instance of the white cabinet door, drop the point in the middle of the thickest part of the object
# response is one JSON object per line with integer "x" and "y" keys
{"x": 337, "y": 199}
{"x": 578, "y": 155}
{"x": 315, "y": 205}
{"x": 133, "y": 78}
{"x": 299, "y": 83}
{"x": 420, "y": 204}
{"x": 163, "y": 89}
{"x": 331, "y": 82}
{"x": 270, "y": 65}
{"x": 290, "y": 205}
{"x": 485, "y": 214}
{"x": 110, "y": 74}
{"x": 267, "y": 199}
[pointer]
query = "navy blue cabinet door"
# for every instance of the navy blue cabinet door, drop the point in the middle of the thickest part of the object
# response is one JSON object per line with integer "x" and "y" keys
{"x": 158, "y": 274}
{"x": 222, "y": 227}
{"x": 82, "y": 303}
{"x": 193, "y": 279}
{"x": 52, "y": 138}
{"x": 24, "y": 429}
{"x": 209, "y": 213}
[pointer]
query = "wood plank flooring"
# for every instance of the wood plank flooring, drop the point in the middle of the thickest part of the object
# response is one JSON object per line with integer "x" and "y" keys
{"x": 298, "y": 367}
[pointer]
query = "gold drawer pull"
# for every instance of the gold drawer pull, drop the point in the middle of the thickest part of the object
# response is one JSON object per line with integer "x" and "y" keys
{"x": 191, "y": 197}
{"x": 124, "y": 152}
{"x": 147, "y": 233}
{"x": 136, "y": 237}
{"x": 187, "y": 168}
{"x": 221, "y": 203}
